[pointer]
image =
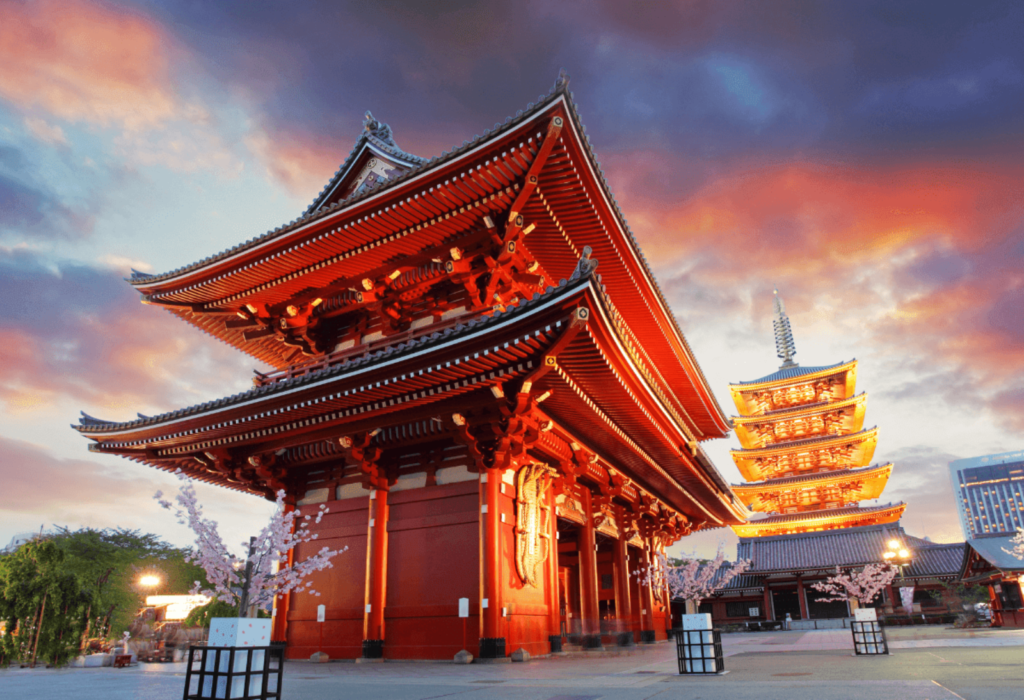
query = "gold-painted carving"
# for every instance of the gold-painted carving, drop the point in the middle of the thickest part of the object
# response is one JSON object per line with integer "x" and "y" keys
{"x": 533, "y": 521}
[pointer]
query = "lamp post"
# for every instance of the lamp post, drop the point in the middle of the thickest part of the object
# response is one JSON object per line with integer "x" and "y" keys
{"x": 899, "y": 556}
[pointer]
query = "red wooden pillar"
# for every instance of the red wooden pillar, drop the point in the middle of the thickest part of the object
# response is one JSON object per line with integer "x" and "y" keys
{"x": 768, "y": 603}
{"x": 588, "y": 578}
{"x": 647, "y": 635}
{"x": 803, "y": 598}
{"x": 492, "y": 643}
{"x": 376, "y": 575}
{"x": 279, "y": 631}
{"x": 623, "y": 609}
{"x": 554, "y": 613}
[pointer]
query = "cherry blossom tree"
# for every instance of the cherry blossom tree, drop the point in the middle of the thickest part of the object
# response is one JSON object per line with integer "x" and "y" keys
{"x": 254, "y": 579}
{"x": 862, "y": 586}
{"x": 1018, "y": 544}
{"x": 691, "y": 580}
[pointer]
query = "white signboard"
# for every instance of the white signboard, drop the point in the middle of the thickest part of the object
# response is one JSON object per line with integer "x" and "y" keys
{"x": 463, "y": 607}
{"x": 865, "y": 615}
{"x": 321, "y": 613}
{"x": 754, "y": 612}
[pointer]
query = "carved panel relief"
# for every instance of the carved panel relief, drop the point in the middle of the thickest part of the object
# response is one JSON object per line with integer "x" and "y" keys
{"x": 533, "y": 521}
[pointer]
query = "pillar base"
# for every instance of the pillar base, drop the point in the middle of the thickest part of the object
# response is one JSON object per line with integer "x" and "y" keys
{"x": 492, "y": 647}
{"x": 647, "y": 637}
{"x": 624, "y": 639}
{"x": 556, "y": 643}
{"x": 373, "y": 648}
{"x": 592, "y": 642}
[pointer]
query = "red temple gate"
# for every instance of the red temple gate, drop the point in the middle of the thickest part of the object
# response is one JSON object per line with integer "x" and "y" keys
{"x": 485, "y": 415}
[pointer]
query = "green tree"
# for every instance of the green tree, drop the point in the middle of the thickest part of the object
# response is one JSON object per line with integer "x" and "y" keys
{"x": 43, "y": 603}
{"x": 111, "y": 561}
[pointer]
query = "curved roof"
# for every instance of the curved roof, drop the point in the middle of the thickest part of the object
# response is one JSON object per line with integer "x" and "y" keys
{"x": 791, "y": 412}
{"x": 794, "y": 372}
{"x": 807, "y": 443}
{"x": 825, "y": 519}
{"x": 824, "y": 477}
{"x": 309, "y": 252}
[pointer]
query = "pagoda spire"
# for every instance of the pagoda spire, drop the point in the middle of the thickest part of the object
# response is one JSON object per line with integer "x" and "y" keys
{"x": 784, "y": 345}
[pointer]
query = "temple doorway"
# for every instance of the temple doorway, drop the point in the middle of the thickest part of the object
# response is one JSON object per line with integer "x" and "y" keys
{"x": 785, "y": 600}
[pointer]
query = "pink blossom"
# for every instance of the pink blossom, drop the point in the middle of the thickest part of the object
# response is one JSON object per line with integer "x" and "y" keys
{"x": 693, "y": 582}
{"x": 1018, "y": 544}
{"x": 224, "y": 570}
{"x": 862, "y": 586}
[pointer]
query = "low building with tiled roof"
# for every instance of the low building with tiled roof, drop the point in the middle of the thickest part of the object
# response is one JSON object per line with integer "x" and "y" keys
{"x": 989, "y": 561}
{"x": 784, "y": 568}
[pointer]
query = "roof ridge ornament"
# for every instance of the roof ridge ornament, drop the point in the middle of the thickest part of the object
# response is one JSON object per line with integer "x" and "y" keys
{"x": 562, "y": 81}
{"x": 785, "y": 347}
{"x": 585, "y": 266}
{"x": 378, "y": 129}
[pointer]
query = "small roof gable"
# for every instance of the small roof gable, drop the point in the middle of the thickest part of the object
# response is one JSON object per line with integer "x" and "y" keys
{"x": 375, "y": 158}
{"x": 993, "y": 550}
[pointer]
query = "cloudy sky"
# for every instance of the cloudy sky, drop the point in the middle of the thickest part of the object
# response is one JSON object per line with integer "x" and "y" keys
{"x": 865, "y": 157}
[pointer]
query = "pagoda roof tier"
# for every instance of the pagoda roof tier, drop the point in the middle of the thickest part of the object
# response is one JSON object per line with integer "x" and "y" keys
{"x": 833, "y": 451}
{"x": 564, "y": 347}
{"x": 751, "y": 430}
{"x": 862, "y": 484}
{"x": 537, "y": 168}
{"x": 747, "y": 395}
{"x": 828, "y": 519}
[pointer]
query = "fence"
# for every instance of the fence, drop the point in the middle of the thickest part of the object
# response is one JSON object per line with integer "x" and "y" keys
{"x": 250, "y": 673}
{"x": 869, "y": 638}
{"x": 699, "y": 652}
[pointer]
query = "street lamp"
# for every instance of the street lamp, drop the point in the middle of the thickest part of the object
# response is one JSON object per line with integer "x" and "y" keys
{"x": 897, "y": 555}
{"x": 150, "y": 581}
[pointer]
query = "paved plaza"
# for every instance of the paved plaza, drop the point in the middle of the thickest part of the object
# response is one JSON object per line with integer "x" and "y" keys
{"x": 813, "y": 665}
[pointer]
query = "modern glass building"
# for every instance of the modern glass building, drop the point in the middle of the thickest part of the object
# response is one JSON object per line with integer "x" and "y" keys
{"x": 989, "y": 493}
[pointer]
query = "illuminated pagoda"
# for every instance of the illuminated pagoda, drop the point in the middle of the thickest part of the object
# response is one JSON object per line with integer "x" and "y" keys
{"x": 485, "y": 414}
{"x": 805, "y": 452}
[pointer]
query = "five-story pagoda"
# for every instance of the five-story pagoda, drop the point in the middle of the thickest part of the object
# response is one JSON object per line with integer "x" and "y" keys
{"x": 805, "y": 452}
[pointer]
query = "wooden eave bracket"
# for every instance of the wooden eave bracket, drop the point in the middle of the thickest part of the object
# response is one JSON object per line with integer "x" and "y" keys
{"x": 357, "y": 451}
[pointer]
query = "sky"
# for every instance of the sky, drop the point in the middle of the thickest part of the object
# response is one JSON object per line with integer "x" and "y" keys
{"x": 863, "y": 157}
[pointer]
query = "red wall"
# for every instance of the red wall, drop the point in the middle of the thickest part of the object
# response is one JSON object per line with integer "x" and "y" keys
{"x": 341, "y": 587}
{"x": 433, "y": 560}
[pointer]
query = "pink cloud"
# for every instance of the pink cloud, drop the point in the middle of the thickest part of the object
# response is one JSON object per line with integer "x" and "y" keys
{"x": 85, "y": 61}
{"x": 69, "y": 482}
{"x": 83, "y": 336}
{"x": 302, "y": 163}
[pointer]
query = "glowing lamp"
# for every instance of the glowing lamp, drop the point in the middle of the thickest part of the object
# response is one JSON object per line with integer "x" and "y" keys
{"x": 904, "y": 554}
{"x": 149, "y": 581}
{"x": 894, "y": 544}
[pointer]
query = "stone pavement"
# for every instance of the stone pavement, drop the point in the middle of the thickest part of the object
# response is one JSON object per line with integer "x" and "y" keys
{"x": 812, "y": 665}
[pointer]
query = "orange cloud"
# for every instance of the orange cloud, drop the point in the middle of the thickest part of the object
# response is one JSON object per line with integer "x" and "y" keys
{"x": 801, "y": 217}
{"x": 84, "y": 61}
{"x": 922, "y": 258}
